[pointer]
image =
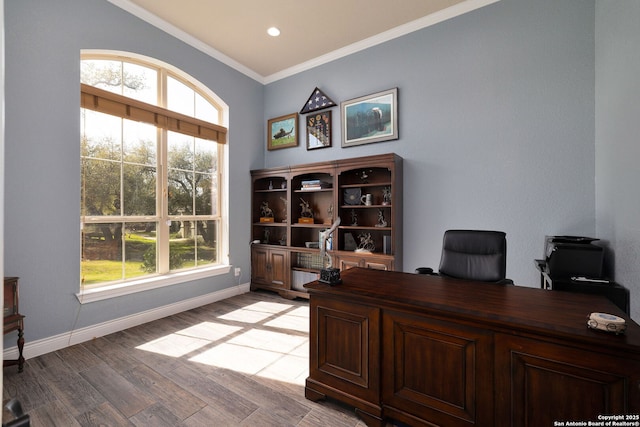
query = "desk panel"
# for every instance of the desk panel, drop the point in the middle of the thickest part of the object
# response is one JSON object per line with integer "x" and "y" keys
{"x": 441, "y": 351}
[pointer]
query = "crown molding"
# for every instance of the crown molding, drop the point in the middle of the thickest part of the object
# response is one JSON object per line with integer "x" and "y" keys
{"x": 402, "y": 30}
{"x": 426, "y": 21}
{"x": 168, "y": 28}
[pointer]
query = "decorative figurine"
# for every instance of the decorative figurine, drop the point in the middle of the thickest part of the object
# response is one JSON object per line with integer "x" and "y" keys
{"x": 366, "y": 243}
{"x": 265, "y": 210}
{"x": 364, "y": 176}
{"x": 328, "y": 274}
{"x": 329, "y": 219}
{"x": 267, "y": 233}
{"x": 381, "y": 221}
{"x": 386, "y": 196}
{"x": 306, "y": 214}
{"x": 306, "y": 209}
{"x": 354, "y": 217}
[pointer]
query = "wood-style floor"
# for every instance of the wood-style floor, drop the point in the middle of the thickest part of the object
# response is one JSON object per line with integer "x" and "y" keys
{"x": 238, "y": 362}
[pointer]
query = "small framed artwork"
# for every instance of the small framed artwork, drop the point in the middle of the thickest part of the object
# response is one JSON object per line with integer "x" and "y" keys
{"x": 319, "y": 130}
{"x": 371, "y": 118}
{"x": 282, "y": 132}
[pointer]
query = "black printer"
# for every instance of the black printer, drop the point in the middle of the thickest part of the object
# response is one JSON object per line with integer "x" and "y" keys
{"x": 569, "y": 256}
{"x": 575, "y": 264}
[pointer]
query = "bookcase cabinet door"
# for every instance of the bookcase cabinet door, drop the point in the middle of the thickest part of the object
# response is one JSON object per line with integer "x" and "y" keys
{"x": 270, "y": 267}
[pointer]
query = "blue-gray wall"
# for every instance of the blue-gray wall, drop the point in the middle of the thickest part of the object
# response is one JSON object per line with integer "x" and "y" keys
{"x": 496, "y": 111}
{"x": 42, "y": 172}
{"x": 498, "y": 130}
{"x": 617, "y": 139}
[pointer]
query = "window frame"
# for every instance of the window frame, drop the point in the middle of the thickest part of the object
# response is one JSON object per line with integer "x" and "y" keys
{"x": 163, "y": 276}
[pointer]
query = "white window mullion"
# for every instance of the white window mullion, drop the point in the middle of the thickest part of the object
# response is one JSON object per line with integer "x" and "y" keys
{"x": 163, "y": 205}
{"x": 121, "y": 200}
{"x": 163, "y": 227}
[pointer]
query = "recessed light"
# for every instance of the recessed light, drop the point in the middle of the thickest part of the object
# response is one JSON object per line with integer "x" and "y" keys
{"x": 273, "y": 32}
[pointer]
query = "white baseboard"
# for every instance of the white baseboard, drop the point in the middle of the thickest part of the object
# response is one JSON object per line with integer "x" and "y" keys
{"x": 57, "y": 342}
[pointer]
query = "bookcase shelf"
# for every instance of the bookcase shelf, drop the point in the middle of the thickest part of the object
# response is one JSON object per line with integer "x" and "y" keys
{"x": 315, "y": 192}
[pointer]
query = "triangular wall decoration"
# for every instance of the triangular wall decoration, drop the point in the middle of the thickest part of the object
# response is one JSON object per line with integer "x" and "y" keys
{"x": 317, "y": 101}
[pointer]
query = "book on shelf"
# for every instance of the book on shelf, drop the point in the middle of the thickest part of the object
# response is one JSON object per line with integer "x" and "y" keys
{"x": 314, "y": 184}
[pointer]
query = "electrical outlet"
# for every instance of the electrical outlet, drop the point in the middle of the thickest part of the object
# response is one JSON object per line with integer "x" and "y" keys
{"x": 237, "y": 271}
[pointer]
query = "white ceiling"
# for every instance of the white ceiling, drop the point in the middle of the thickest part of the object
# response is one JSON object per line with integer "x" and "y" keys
{"x": 312, "y": 33}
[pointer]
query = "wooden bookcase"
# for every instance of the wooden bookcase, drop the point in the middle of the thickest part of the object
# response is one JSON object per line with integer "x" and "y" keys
{"x": 285, "y": 251}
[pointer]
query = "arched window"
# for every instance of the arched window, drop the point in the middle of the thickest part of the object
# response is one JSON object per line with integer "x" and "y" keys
{"x": 153, "y": 185}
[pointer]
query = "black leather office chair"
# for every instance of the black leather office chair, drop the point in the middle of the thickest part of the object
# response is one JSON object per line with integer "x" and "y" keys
{"x": 473, "y": 255}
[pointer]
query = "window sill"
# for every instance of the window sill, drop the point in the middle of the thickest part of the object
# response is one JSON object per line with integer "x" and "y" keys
{"x": 121, "y": 289}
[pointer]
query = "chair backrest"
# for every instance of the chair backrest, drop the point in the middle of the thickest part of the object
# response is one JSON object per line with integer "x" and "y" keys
{"x": 474, "y": 255}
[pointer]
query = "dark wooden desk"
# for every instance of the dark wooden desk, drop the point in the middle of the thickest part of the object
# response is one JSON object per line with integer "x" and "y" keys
{"x": 13, "y": 320}
{"x": 427, "y": 350}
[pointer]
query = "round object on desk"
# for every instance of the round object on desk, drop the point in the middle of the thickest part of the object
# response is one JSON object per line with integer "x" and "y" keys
{"x": 606, "y": 322}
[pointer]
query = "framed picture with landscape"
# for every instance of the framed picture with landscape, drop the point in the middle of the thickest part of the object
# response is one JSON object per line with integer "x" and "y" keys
{"x": 282, "y": 132}
{"x": 370, "y": 118}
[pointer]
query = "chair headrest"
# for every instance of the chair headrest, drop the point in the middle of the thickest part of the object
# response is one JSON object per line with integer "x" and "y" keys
{"x": 474, "y": 255}
{"x": 475, "y": 241}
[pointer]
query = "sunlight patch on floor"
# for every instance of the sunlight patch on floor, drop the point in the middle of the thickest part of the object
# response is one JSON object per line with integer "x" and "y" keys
{"x": 267, "y": 339}
{"x": 255, "y": 313}
{"x": 190, "y": 339}
{"x": 289, "y": 368}
{"x": 210, "y": 330}
{"x": 237, "y": 358}
{"x": 257, "y": 352}
{"x": 287, "y": 321}
{"x": 174, "y": 345}
{"x": 268, "y": 307}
